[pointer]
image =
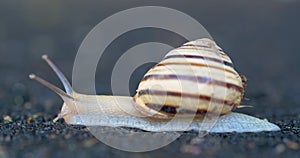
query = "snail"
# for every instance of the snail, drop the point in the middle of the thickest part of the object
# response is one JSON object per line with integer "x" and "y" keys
{"x": 193, "y": 81}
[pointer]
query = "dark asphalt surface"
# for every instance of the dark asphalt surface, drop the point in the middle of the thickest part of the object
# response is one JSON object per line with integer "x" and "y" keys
{"x": 262, "y": 39}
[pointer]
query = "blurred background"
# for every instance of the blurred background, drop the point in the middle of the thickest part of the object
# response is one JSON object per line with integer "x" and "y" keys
{"x": 261, "y": 37}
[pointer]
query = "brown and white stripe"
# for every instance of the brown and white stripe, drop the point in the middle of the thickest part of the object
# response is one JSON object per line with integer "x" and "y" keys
{"x": 194, "y": 79}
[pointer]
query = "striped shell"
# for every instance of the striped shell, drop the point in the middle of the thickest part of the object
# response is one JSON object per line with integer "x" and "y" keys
{"x": 194, "y": 79}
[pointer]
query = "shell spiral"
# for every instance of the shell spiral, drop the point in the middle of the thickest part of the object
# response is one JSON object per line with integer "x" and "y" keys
{"x": 192, "y": 80}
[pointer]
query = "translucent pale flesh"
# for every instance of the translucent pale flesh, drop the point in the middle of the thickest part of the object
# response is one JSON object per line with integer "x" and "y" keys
{"x": 120, "y": 111}
{"x": 232, "y": 122}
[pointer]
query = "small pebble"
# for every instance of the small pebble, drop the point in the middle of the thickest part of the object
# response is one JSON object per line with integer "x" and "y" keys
{"x": 7, "y": 118}
{"x": 30, "y": 120}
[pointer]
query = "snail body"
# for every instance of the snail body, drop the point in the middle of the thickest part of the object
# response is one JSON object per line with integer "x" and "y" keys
{"x": 194, "y": 80}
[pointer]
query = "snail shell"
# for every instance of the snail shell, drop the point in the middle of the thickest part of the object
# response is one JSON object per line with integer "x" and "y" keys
{"x": 193, "y": 80}
{"x": 190, "y": 79}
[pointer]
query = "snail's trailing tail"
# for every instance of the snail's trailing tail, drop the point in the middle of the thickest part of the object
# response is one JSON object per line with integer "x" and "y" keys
{"x": 244, "y": 106}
